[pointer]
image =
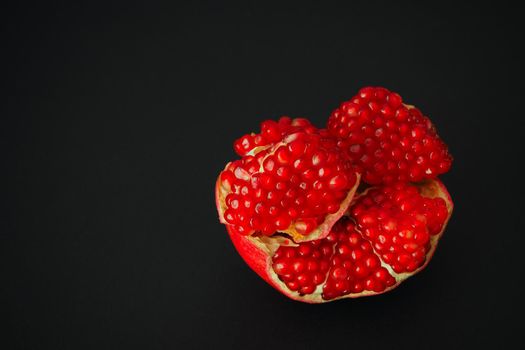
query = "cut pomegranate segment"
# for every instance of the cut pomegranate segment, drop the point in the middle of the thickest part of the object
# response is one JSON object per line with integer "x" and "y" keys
{"x": 388, "y": 141}
{"x": 399, "y": 223}
{"x": 345, "y": 264}
{"x": 294, "y": 181}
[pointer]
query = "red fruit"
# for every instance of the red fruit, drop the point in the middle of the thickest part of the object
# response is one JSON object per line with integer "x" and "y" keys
{"x": 346, "y": 263}
{"x": 387, "y": 140}
{"x": 289, "y": 207}
{"x": 292, "y": 178}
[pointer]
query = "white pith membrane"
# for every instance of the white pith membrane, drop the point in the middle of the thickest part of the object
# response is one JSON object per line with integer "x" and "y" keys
{"x": 320, "y": 231}
{"x": 265, "y": 248}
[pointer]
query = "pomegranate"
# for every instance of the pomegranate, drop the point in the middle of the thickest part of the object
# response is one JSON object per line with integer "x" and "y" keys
{"x": 292, "y": 209}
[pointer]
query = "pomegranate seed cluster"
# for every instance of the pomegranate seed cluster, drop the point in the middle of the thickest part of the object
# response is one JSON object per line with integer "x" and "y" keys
{"x": 303, "y": 268}
{"x": 343, "y": 262}
{"x": 293, "y": 185}
{"x": 398, "y": 221}
{"x": 355, "y": 267}
{"x": 388, "y": 141}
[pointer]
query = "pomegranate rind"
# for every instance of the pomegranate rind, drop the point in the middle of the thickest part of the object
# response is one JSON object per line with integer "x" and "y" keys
{"x": 220, "y": 195}
{"x": 258, "y": 252}
{"x": 258, "y": 256}
{"x": 319, "y": 232}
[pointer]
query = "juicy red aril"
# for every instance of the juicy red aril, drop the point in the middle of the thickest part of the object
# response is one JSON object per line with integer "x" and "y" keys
{"x": 388, "y": 141}
{"x": 342, "y": 263}
{"x": 399, "y": 223}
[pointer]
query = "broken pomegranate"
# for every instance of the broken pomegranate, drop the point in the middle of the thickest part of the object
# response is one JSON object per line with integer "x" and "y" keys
{"x": 293, "y": 213}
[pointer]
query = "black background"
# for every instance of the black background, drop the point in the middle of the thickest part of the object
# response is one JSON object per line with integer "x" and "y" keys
{"x": 118, "y": 118}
